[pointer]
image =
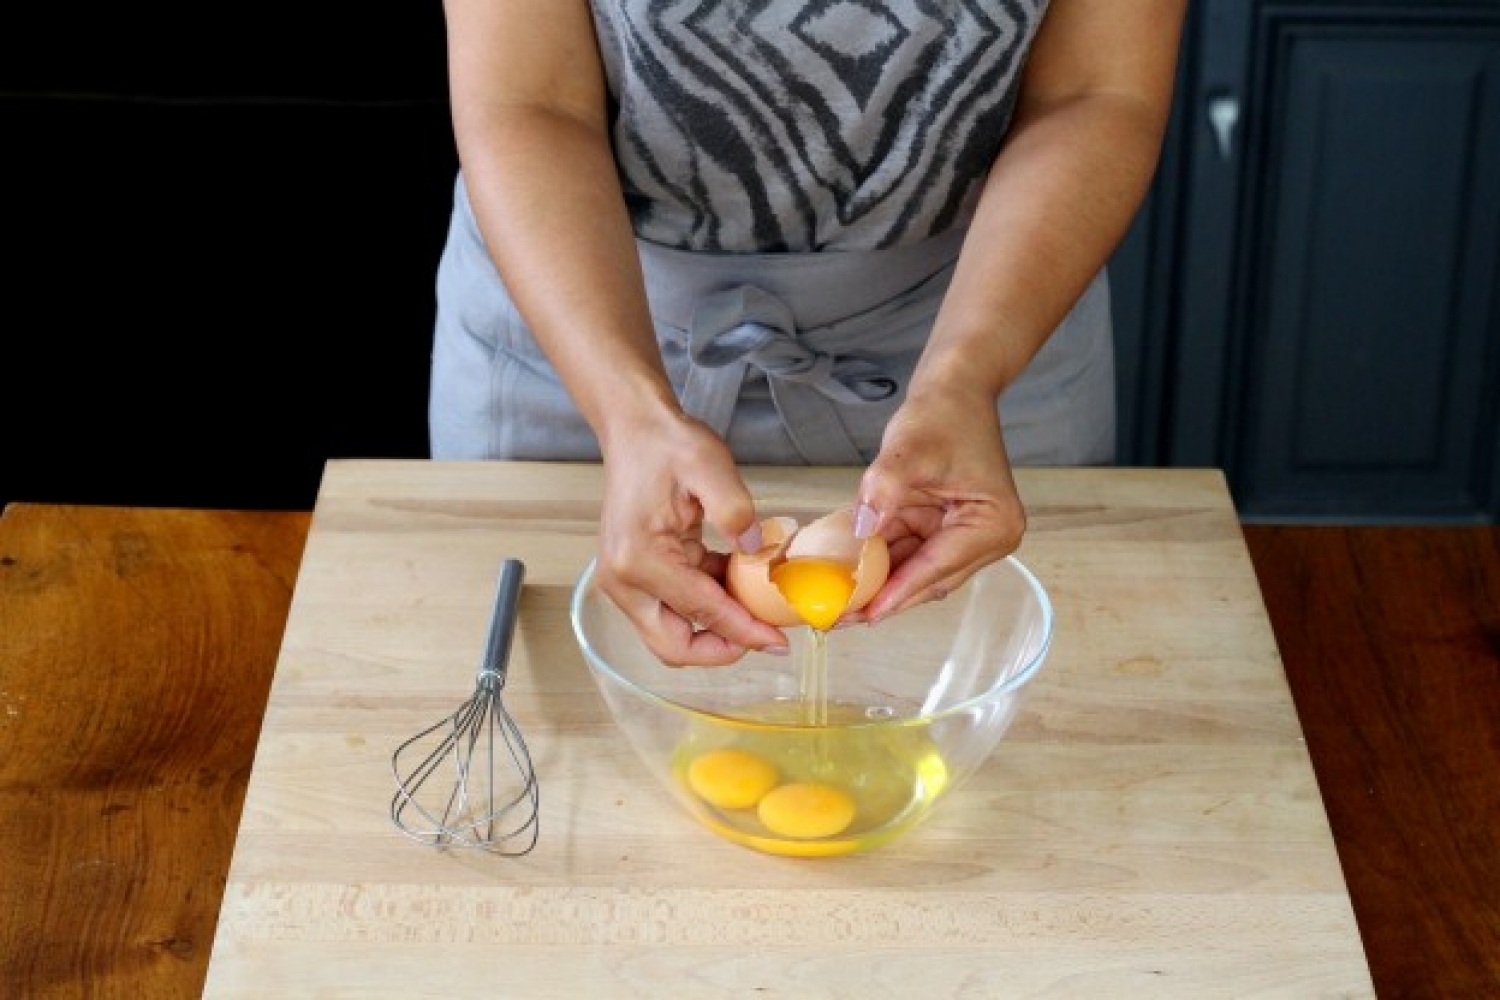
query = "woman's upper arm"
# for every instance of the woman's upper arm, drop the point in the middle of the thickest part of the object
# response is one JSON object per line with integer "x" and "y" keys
{"x": 1124, "y": 48}
{"x": 537, "y": 55}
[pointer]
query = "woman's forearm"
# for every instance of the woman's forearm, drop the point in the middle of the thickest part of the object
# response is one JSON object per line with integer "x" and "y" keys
{"x": 529, "y": 113}
{"x": 1075, "y": 168}
{"x": 561, "y": 239}
{"x": 1052, "y": 212}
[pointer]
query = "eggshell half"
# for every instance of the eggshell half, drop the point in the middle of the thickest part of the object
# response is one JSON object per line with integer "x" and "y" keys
{"x": 748, "y": 576}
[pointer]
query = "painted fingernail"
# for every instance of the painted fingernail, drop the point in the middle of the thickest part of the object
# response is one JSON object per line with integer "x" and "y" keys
{"x": 865, "y": 520}
{"x": 750, "y": 540}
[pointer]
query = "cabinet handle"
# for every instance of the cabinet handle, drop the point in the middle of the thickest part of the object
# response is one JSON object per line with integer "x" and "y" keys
{"x": 1223, "y": 116}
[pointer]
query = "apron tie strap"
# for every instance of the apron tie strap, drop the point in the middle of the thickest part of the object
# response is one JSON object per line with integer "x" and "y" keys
{"x": 736, "y": 328}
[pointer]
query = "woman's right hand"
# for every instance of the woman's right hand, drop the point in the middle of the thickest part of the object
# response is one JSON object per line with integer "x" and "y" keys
{"x": 531, "y": 116}
{"x": 659, "y": 492}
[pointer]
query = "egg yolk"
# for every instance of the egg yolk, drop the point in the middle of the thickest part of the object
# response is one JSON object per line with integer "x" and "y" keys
{"x": 806, "y": 811}
{"x": 817, "y": 589}
{"x": 731, "y": 779}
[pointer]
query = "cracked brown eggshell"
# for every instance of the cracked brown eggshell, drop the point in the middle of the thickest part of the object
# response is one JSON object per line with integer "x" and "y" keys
{"x": 831, "y": 537}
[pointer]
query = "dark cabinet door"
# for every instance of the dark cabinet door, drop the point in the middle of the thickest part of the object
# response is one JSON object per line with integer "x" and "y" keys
{"x": 1333, "y": 323}
{"x": 1372, "y": 347}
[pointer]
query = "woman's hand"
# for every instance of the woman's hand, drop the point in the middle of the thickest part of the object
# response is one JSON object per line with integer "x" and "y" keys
{"x": 942, "y": 495}
{"x": 1076, "y": 163}
{"x": 531, "y": 116}
{"x": 652, "y": 560}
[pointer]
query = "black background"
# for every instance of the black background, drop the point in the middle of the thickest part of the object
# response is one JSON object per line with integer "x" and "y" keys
{"x": 221, "y": 231}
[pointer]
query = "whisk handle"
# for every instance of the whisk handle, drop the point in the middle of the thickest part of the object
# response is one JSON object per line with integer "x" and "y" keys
{"x": 503, "y": 621}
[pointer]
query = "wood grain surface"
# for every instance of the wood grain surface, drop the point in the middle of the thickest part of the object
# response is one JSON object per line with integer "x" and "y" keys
{"x": 1150, "y": 826}
{"x": 1391, "y": 637}
{"x": 115, "y": 844}
{"x": 136, "y": 651}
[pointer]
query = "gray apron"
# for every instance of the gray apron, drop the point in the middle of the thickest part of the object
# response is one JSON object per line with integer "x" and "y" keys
{"x": 794, "y": 358}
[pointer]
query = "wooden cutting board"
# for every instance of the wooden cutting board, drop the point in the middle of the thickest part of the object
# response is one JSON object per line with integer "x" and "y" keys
{"x": 1150, "y": 827}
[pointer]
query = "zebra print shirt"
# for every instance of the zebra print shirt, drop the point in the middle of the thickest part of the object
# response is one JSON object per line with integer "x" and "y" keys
{"x": 766, "y": 126}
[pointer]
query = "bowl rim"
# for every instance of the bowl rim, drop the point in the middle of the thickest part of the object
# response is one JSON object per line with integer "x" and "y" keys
{"x": 1015, "y": 680}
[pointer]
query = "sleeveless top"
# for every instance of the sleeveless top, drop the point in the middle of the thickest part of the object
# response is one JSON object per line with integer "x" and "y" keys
{"x": 788, "y": 125}
{"x": 800, "y": 177}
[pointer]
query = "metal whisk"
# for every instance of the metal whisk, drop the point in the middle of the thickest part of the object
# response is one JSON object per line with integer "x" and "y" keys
{"x": 491, "y": 805}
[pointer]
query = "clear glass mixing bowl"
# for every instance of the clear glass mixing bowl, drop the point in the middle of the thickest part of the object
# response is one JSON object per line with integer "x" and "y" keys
{"x": 913, "y": 706}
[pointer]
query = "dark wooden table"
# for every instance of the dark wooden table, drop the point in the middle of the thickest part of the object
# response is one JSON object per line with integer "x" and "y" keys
{"x": 137, "y": 648}
{"x": 1391, "y": 641}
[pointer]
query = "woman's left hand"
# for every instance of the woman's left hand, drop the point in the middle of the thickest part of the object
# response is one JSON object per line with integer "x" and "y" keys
{"x": 941, "y": 494}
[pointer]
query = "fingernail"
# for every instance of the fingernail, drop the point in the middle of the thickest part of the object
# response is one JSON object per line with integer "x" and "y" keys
{"x": 865, "y": 520}
{"x": 750, "y": 540}
{"x": 775, "y": 650}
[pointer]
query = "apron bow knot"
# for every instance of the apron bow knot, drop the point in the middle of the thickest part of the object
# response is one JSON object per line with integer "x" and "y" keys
{"x": 738, "y": 328}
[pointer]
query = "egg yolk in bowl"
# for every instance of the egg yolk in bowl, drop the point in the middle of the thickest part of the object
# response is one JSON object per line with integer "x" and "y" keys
{"x": 806, "y": 811}
{"x": 731, "y": 779}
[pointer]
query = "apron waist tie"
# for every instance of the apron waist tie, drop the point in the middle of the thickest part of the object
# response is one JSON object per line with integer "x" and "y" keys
{"x": 736, "y": 328}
